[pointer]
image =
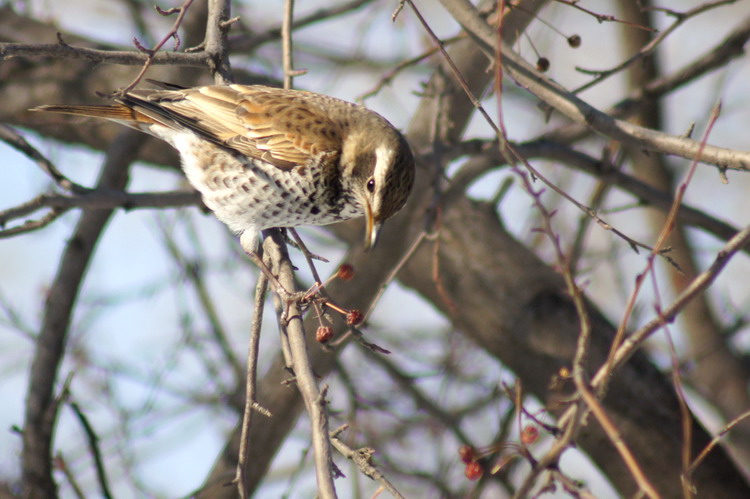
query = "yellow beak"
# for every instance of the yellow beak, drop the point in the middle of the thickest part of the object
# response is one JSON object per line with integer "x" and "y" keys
{"x": 372, "y": 230}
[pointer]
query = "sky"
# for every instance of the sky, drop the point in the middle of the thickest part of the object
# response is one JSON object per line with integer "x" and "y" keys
{"x": 136, "y": 308}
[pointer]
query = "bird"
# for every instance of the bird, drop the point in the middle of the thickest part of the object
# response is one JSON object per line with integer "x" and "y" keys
{"x": 264, "y": 157}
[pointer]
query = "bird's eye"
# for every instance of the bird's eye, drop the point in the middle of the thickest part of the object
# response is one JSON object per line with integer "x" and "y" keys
{"x": 371, "y": 185}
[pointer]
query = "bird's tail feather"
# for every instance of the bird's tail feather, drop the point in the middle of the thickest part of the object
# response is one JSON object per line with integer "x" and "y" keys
{"x": 116, "y": 112}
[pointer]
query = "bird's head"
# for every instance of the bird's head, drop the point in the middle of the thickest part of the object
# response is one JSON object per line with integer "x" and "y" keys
{"x": 379, "y": 164}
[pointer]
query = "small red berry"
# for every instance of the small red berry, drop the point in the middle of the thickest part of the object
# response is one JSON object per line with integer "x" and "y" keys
{"x": 466, "y": 453}
{"x": 529, "y": 434}
{"x": 323, "y": 334}
{"x": 346, "y": 272}
{"x": 474, "y": 471}
{"x": 354, "y": 317}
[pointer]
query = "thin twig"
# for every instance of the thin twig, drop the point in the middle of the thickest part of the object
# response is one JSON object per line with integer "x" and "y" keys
{"x": 507, "y": 151}
{"x": 485, "y": 158}
{"x": 362, "y": 458}
{"x": 730, "y": 47}
{"x": 649, "y": 48}
{"x": 171, "y": 34}
{"x": 62, "y": 464}
{"x": 250, "y": 386}
{"x": 581, "y": 112}
{"x": 667, "y": 229}
{"x": 577, "y": 413}
{"x": 602, "y": 17}
{"x": 310, "y": 257}
{"x": 574, "y": 291}
{"x": 669, "y": 225}
{"x": 59, "y": 204}
{"x": 16, "y": 141}
{"x": 615, "y": 437}
{"x": 249, "y": 43}
{"x": 388, "y": 77}
{"x": 394, "y": 272}
{"x": 32, "y": 225}
{"x": 714, "y": 442}
{"x": 685, "y": 416}
{"x": 697, "y": 286}
{"x": 287, "y": 44}
{"x": 93, "y": 440}
{"x": 193, "y": 274}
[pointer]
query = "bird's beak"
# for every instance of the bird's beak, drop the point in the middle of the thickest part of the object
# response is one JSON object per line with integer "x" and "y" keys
{"x": 372, "y": 230}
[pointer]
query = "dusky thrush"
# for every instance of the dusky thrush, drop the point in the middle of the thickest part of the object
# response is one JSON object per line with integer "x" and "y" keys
{"x": 266, "y": 157}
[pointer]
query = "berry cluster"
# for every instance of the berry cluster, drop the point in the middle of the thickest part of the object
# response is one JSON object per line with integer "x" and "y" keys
{"x": 474, "y": 469}
{"x": 353, "y": 316}
{"x": 472, "y": 457}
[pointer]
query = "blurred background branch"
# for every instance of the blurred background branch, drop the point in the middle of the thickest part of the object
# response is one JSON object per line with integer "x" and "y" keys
{"x": 147, "y": 310}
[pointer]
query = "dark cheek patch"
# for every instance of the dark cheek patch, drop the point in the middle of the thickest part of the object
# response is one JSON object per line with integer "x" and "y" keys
{"x": 364, "y": 165}
{"x": 397, "y": 197}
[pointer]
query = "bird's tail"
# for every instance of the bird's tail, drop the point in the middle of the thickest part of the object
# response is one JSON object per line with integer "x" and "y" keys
{"x": 117, "y": 112}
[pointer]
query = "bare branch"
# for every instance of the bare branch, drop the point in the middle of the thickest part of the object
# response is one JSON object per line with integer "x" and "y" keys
{"x": 171, "y": 34}
{"x": 93, "y": 441}
{"x": 649, "y": 48}
{"x": 122, "y": 57}
{"x": 363, "y": 459}
{"x": 250, "y": 386}
{"x": 635, "y": 339}
{"x": 13, "y": 139}
{"x": 315, "y": 404}
{"x": 583, "y": 113}
{"x": 40, "y": 415}
{"x": 245, "y": 43}
{"x": 216, "y": 43}
{"x": 93, "y": 199}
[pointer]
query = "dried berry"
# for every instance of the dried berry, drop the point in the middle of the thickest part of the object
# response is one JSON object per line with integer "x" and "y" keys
{"x": 354, "y": 317}
{"x": 529, "y": 434}
{"x": 323, "y": 334}
{"x": 346, "y": 272}
{"x": 474, "y": 471}
{"x": 466, "y": 453}
{"x": 542, "y": 64}
{"x": 574, "y": 41}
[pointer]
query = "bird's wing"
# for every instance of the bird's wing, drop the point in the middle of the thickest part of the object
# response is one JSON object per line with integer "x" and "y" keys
{"x": 274, "y": 125}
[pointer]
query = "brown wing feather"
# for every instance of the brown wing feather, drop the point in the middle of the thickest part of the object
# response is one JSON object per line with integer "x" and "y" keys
{"x": 274, "y": 125}
{"x": 283, "y": 127}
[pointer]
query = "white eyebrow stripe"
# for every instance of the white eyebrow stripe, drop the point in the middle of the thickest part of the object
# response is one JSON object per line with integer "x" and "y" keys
{"x": 383, "y": 158}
